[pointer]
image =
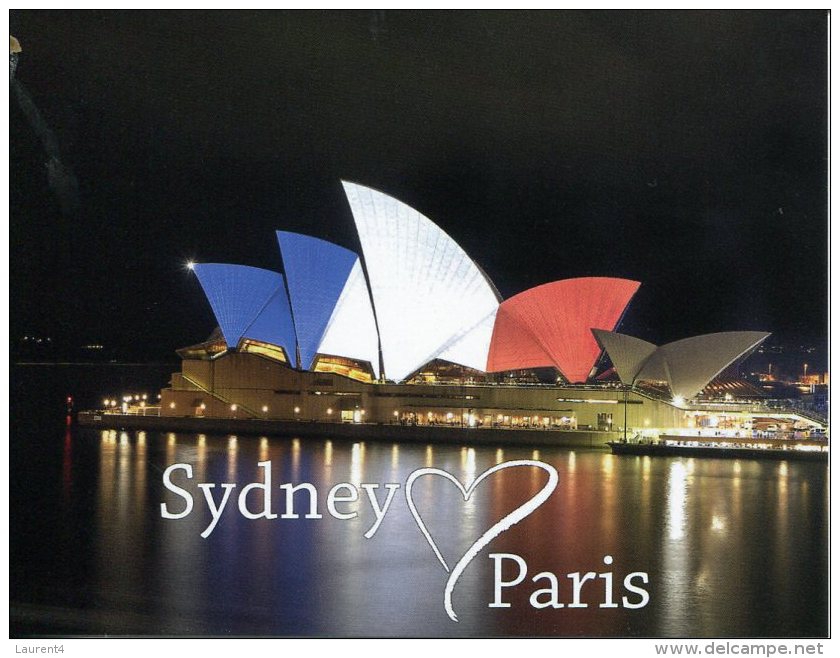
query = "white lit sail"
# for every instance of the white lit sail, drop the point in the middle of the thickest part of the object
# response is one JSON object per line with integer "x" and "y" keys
{"x": 427, "y": 292}
{"x": 351, "y": 330}
{"x": 687, "y": 365}
{"x": 471, "y": 349}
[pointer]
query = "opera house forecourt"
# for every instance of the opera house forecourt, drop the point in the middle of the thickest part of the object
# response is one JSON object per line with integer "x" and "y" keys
{"x": 411, "y": 334}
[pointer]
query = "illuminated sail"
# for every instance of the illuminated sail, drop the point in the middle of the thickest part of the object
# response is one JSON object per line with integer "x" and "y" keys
{"x": 248, "y": 302}
{"x": 429, "y": 296}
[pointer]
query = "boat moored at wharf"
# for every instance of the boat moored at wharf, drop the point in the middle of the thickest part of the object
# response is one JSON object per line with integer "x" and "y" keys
{"x": 736, "y": 447}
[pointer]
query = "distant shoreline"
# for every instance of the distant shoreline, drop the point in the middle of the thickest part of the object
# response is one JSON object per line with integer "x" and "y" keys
{"x": 96, "y": 363}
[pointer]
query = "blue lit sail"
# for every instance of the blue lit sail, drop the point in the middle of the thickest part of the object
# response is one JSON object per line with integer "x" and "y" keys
{"x": 273, "y": 324}
{"x": 248, "y": 302}
{"x": 316, "y": 273}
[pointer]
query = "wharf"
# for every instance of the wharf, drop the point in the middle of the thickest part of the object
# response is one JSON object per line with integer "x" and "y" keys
{"x": 674, "y": 447}
{"x": 525, "y": 437}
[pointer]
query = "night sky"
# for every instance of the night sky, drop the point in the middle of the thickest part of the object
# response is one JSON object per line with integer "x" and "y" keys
{"x": 684, "y": 150}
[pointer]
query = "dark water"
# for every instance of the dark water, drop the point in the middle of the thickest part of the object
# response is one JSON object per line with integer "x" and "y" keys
{"x": 730, "y": 548}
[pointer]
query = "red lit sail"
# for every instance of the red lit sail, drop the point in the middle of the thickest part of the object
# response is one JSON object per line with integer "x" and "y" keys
{"x": 513, "y": 347}
{"x": 550, "y": 325}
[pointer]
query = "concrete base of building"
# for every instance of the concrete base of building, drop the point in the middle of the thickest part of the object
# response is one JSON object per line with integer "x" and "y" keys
{"x": 353, "y": 431}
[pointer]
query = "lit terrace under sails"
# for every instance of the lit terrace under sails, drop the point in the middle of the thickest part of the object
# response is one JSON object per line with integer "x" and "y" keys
{"x": 550, "y": 325}
{"x": 330, "y": 301}
{"x": 687, "y": 365}
{"x": 248, "y": 302}
{"x": 431, "y": 300}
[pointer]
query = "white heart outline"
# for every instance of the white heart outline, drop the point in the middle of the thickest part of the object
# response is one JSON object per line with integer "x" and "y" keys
{"x": 493, "y": 531}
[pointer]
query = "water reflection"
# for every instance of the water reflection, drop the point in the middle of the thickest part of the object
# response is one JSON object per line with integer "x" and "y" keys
{"x": 67, "y": 464}
{"x": 295, "y": 458}
{"x": 676, "y": 500}
{"x": 122, "y": 503}
{"x": 357, "y": 456}
{"x": 730, "y": 547}
{"x": 232, "y": 462}
{"x": 328, "y": 452}
{"x": 395, "y": 459}
{"x": 676, "y": 603}
{"x": 468, "y": 465}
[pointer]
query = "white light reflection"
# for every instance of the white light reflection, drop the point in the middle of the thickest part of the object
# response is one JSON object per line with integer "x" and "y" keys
{"x": 232, "y": 450}
{"x": 170, "y": 448}
{"x": 123, "y": 480}
{"x": 295, "y": 459}
{"x": 607, "y": 466}
{"x": 395, "y": 457}
{"x": 113, "y": 513}
{"x": 356, "y": 463}
{"x": 782, "y": 515}
{"x": 201, "y": 458}
{"x": 468, "y": 464}
{"x": 676, "y": 501}
{"x": 676, "y": 566}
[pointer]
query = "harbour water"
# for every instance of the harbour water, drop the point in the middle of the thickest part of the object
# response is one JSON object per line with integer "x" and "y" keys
{"x": 728, "y": 548}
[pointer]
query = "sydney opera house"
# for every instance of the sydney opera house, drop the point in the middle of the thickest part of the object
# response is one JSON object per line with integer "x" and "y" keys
{"x": 412, "y": 331}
